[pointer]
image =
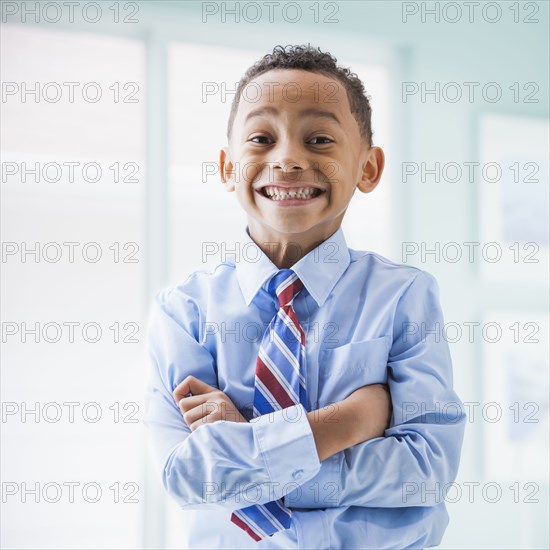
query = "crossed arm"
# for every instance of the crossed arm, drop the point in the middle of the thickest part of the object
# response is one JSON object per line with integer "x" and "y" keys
{"x": 418, "y": 452}
{"x": 363, "y": 415}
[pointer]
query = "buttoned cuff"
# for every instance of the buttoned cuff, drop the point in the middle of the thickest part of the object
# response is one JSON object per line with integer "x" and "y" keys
{"x": 287, "y": 445}
{"x": 321, "y": 491}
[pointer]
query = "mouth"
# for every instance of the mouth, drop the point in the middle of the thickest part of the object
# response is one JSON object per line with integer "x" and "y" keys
{"x": 291, "y": 195}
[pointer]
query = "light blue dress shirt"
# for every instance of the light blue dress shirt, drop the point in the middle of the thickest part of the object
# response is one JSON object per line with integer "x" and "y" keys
{"x": 367, "y": 320}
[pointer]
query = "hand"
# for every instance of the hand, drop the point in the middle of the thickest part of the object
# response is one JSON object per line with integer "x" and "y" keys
{"x": 207, "y": 404}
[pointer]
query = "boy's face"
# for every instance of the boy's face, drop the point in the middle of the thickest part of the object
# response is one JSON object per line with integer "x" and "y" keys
{"x": 296, "y": 156}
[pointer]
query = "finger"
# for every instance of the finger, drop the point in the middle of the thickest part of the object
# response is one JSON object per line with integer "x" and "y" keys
{"x": 208, "y": 419}
{"x": 195, "y": 414}
{"x": 191, "y": 385}
{"x": 188, "y": 403}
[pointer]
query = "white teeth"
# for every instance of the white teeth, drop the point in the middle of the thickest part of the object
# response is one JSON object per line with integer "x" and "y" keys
{"x": 276, "y": 193}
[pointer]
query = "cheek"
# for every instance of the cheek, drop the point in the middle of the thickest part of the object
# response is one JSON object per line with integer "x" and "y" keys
{"x": 249, "y": 172}
{"x": 341, "y": 192}
{"x": 334, "y": 172}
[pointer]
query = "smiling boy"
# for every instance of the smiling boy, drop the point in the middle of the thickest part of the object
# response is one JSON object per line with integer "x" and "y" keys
{"x": 282, "y": 145}
{"x": 286, "y": 437}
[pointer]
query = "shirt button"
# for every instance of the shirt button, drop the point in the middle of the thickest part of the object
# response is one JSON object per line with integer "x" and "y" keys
{"x": 297, "y": 474}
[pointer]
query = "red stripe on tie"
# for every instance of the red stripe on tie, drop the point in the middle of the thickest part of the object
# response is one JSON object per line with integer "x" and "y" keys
{"x": 273, "y": 385}
{"x": 238, "y": 521}
{"x": 289, "y": 292}
{"x": 292, "y": 314}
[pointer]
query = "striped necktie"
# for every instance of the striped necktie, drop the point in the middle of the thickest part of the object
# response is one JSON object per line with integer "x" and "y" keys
{"x": 279, "y": 383}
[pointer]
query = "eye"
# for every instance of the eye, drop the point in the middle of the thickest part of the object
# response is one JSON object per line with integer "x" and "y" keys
{"x": 320, "y": 140}
{"x": 263, "y": 140}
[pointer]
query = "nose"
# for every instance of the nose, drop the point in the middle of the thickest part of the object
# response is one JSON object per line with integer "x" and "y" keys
{"x": 289, "y": 158}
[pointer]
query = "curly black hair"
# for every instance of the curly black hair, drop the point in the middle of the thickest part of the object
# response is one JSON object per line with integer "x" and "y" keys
{"x": 310, "y": 59}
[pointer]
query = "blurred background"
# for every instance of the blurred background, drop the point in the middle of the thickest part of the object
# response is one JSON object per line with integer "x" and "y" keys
{"x": 113, "y": 114}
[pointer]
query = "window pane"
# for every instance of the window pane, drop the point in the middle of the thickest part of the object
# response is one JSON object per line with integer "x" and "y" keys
{"x": 72, "y": 289}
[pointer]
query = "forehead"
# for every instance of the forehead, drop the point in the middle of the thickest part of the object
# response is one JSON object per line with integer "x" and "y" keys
{"x": 294, "y": 90}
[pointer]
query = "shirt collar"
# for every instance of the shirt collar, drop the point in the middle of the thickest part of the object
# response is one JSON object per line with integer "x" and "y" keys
{"x": 319, "y": 270}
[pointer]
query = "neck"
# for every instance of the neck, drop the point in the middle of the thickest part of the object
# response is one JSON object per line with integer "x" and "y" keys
{"x": 284, "y": 249}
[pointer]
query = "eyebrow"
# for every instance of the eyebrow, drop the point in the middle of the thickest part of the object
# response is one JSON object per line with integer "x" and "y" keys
{"x": 318, "y": 113}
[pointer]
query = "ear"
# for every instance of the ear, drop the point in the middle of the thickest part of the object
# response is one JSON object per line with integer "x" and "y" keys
{"x": 373, "y": 166}
{"x": 226, "y": 170}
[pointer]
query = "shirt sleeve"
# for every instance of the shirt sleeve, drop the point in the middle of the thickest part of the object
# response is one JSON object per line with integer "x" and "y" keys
{"x": 419, "y": 455}
{"x": 221, "y": 464}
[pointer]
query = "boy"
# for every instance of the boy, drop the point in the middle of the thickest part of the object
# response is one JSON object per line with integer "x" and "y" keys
{"x": 267, "y": 404}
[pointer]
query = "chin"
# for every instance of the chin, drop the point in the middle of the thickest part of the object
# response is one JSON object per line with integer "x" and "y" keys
{"x": 292, "y": 227}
